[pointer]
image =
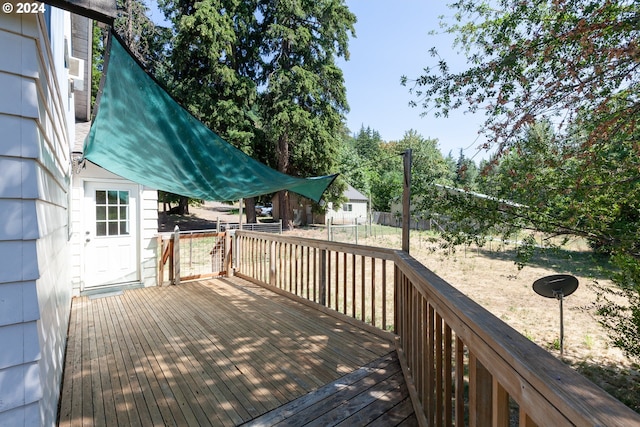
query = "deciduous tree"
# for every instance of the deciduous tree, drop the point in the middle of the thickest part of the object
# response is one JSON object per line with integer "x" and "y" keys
{"x": 558, "y": 82}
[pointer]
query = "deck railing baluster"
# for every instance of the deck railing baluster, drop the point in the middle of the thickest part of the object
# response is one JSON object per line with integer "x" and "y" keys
{"x": 315, "y": 274}
{"x": 295, "y": 269}
{"x": 431, "y": 406}
{"x": 353, "y": 285}
{"x": 439, "y": 380}
{"x": 384, "y": 295}
{"x": 500, "y": 405}
{"x": 337, "y": 280}
{"x": 448, "y": 373}
{"x": 459, "y": 383}
{"x": 262, "y": 259}
{"x": 363, "y": 290}
{"x": 323, "y": 277}
{"x": 372, "y": 289}
{"x": 328, "y": 284}
{"x": 344, "y": 283}
{"x": 281, "y": 262}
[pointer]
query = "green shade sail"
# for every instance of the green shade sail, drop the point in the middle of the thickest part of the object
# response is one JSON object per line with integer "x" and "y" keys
{"x": 142, "y": 134}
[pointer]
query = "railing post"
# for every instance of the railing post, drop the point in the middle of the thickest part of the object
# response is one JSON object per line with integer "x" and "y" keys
{"x": 170, "y": 251}
{"x": 323, "y": 276}
{"x": 176, "y": 255}
{"x": 234, "y": 259}
{"x": 228, "y": 253}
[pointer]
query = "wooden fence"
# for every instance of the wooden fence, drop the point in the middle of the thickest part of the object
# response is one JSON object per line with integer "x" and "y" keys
{"x": 464, "y": 366}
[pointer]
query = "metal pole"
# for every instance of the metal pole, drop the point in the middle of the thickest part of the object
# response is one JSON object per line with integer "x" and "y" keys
{"x": 370, "y": 217}
{"x": 561, "y": 326}
{"x": 406, "y": 200}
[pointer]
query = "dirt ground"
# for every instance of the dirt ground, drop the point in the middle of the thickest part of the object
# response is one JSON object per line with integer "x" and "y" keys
{"x": 489, "y": 276}
{"x": 200, "y": 217}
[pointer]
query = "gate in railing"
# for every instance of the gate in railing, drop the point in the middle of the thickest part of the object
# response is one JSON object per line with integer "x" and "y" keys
{"x": 464, "y": 366}
{"x": 193, "y": 255}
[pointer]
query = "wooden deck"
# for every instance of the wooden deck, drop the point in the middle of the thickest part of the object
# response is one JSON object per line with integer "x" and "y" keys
{"x": 224, "y": 352}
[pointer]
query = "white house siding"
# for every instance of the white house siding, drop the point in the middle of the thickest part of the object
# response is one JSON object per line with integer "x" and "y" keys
{"x": 148, "y": 235}
{"x": 354, "y": 208}
{"x": 147, "y": 225}
{"x": 36, "y": 120}
{"x": 358, "y": 210}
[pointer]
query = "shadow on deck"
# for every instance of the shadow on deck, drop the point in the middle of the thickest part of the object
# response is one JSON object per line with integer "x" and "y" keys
{"x": 224, "y": 352}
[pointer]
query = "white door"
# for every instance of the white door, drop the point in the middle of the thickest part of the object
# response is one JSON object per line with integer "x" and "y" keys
{"x": 110, "y": 239}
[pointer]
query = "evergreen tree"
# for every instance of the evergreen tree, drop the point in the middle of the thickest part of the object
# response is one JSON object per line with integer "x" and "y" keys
{"x": 214, "y": 58}
{"x": 367, "y": 143}
{"x": 304, "y": 97}
{"x": 143, "y": 38}
{"x": 466, "y": 172}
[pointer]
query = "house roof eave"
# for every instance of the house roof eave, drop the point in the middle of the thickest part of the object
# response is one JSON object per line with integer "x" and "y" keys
{"x": 100, "y": 10}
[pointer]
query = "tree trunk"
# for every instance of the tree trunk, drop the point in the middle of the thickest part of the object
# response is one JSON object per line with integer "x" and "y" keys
{"x": 183, "y": 206}
{"x": 250, "y": 210}
{"x": 284, "y": 209}
{"x": 283, "y": 166}
{"x": 129, "y": 14}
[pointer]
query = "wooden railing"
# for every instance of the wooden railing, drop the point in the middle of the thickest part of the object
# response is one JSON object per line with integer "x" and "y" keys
{"x": 463, "y": 365}
{"x": 193, "y": 255}
{"x": 350, "y": 279}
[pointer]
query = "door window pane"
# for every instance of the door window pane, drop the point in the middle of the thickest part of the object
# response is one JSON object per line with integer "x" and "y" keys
{"x": 113, "y": 228}
{"x": 112, "y": 213}
{"x": 101, "y": 197}
{"x": 101, "y": 213}
{"x": 101, "y": 229}
{"x": 124, "y": 197}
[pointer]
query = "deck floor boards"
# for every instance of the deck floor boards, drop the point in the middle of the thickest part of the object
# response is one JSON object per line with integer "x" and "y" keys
{"x": 224, "y": 352}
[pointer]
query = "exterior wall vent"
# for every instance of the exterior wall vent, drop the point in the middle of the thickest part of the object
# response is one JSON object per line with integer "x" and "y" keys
{"x": 76, "y": 73}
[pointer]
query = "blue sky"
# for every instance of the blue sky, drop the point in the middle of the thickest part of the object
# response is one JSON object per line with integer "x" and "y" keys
{"x": 392, "y": 40}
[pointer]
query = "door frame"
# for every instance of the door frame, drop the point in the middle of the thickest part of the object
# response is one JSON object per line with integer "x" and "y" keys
{"x": 85, "y": 225}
